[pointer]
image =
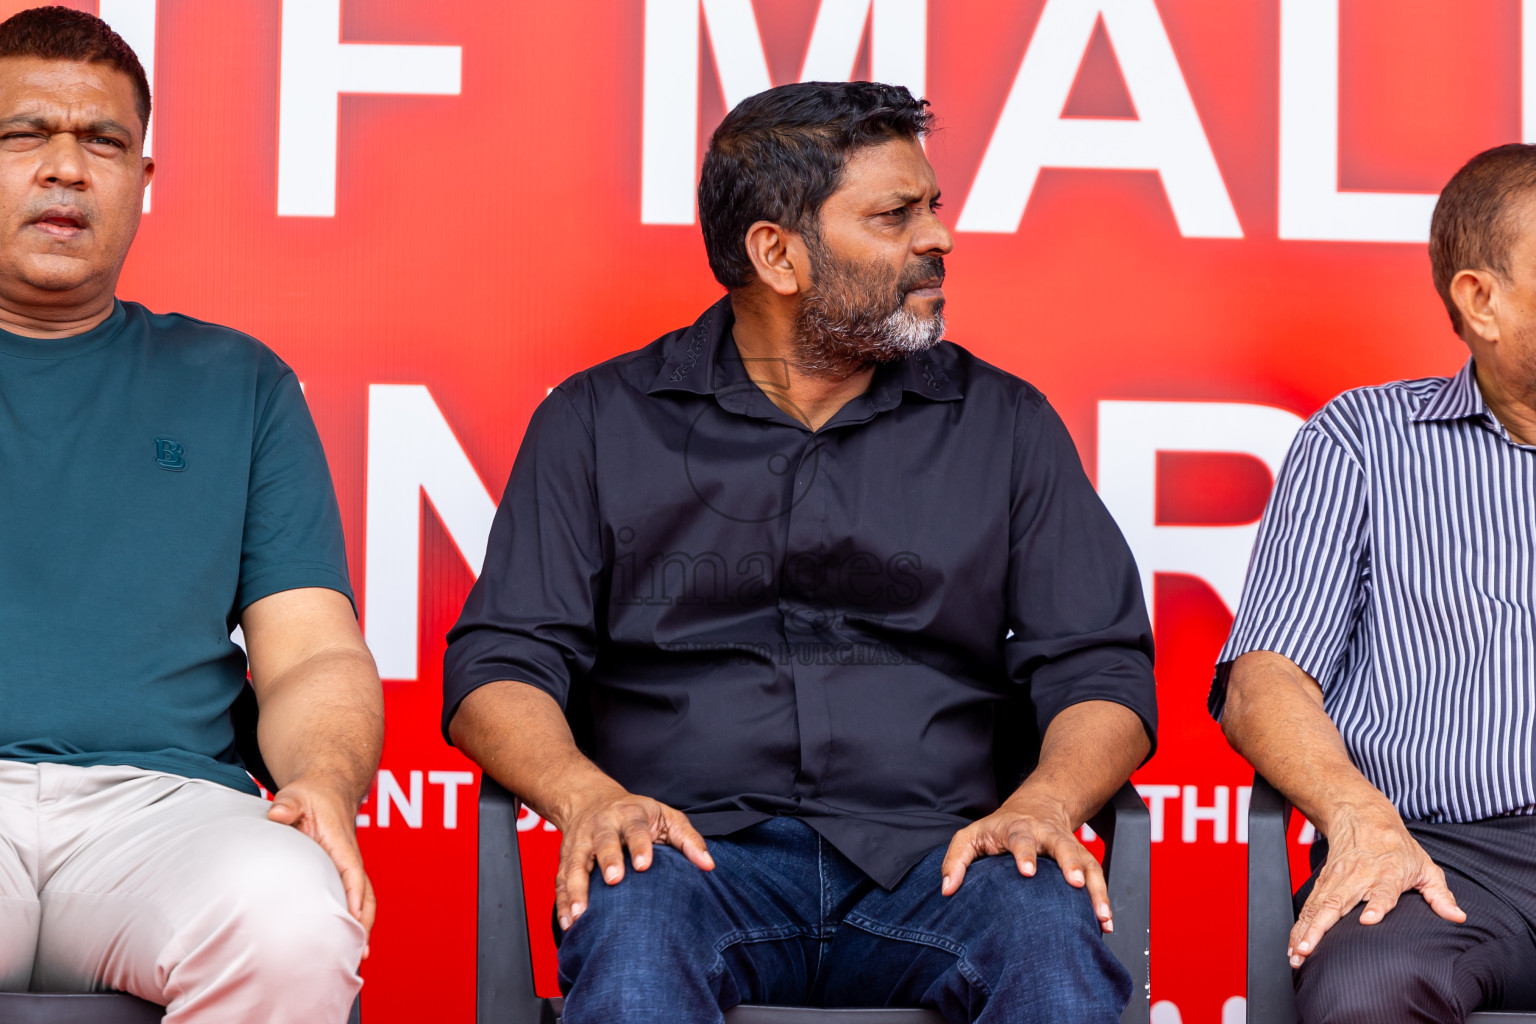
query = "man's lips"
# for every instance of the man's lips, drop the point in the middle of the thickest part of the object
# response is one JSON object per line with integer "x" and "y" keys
{"x": 930, "y": 289}
{"x": 61, "y": 223}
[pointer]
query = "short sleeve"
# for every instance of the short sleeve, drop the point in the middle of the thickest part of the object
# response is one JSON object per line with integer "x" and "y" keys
{"x": 1308, "y": 571}
{"x": 531, "y": 616}
{"x": 292, "y": 535}
{"x": 1080, "y": 629}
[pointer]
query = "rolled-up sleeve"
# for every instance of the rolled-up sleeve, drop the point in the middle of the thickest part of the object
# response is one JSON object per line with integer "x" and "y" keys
{"x": 531, "y": 616}
{"x": 1307, "y": 576}
{"x": 1079, "y": 624}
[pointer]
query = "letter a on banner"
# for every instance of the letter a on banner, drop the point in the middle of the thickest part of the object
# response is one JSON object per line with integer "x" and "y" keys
{"x": 669, "y": 146}
{"x": 1166, "y": 137}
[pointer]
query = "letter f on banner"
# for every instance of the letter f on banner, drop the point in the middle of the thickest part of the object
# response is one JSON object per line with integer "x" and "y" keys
{"x": 317, "y": 67}
{"x": 669, "y": 147}
{"x": 1166, "y": 137}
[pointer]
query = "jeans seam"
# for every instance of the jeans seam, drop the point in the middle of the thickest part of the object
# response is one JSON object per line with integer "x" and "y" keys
{"x": 821, "y": 907}
{"x": 939, "y": 942}
{"x": 742, "y": 937}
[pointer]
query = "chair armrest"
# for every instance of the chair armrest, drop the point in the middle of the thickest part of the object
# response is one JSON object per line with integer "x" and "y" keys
{"x": 1271, "y": 996}
{"x": 504, "y": 992}
{"x": 1127, "y": 830}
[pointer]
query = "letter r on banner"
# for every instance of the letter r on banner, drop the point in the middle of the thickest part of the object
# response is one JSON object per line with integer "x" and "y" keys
{"x": 317, "y": 67}
{"x": 1130, "y": 436}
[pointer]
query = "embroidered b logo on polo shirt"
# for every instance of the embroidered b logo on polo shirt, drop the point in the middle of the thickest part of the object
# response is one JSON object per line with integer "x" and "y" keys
{"x": 170, "y": 455}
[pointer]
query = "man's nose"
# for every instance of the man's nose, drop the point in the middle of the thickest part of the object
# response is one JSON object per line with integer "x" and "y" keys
{"x": 63, "y": 162}
{"x": 933, "y": 237}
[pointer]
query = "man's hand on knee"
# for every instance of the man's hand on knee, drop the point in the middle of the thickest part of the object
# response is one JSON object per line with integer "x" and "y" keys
{"x": 1028, "y": 833}
{"x": 599, "y": 829}
{"x": 1372, "y": 859}
{"x": 330, "y": 819}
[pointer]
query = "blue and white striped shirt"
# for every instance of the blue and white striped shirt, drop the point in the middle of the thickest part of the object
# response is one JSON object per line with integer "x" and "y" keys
{"x": 1396, "y": 565}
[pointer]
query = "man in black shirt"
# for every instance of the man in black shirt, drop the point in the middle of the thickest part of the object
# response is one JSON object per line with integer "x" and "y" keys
{"x": 776, "y": 579}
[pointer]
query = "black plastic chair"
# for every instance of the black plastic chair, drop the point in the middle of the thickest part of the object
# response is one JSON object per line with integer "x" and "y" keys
{"x": 116, "y": 1007}
{"x": 504, "y": 992}
{"x": 1271, "y": 915}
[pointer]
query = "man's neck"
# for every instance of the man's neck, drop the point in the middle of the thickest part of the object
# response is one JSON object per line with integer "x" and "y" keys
{"x": 1513, "y": 407}
{"x": 771, "y": 356}
{"x": 54, "y": 321}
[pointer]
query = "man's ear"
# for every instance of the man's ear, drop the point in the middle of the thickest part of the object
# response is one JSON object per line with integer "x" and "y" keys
{"x": 768, "y": 247}
{"x": 1477, "y": 294}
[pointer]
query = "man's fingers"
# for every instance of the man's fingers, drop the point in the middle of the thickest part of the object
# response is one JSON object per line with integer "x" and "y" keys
{"x": 962, "y": 850}
{"x": 370, "y": 905}
{"x": 678, "y": 832}
{"x": 1098, "y": 892}
{"x": 1441, "y": 900}
{"x": 637, "y": 839}
{"x": 573, "y": 876}
{"x": 1378, "y": 904}
{"x": 1321, "y": 913}
{"x": 285, "y": 810}
{"x": 1026, "y": 852}
{"x": 608, "y": 849}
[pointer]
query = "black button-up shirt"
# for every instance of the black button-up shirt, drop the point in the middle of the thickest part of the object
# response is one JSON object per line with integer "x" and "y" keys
{"x": 746, "y": 618}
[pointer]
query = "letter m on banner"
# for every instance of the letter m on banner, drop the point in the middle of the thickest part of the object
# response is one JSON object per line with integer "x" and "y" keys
{"x": 898, "y": 49}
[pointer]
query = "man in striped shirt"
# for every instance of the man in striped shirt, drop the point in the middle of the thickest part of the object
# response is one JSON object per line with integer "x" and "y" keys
{"x": 1381, "y": 671}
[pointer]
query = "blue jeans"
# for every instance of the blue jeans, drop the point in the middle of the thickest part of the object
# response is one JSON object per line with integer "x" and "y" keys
{"x": 784, "y": 918}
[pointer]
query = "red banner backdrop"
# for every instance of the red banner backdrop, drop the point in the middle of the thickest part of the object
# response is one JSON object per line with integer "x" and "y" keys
{"x": 1190, "y": 222}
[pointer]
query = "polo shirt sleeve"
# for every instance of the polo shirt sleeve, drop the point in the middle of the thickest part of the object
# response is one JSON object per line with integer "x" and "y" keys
{"x": 531, "y": 616}
{"x": 292, "y": 536}
{"x": 1079, "y": 624}
{"x": 1309, "y": 574}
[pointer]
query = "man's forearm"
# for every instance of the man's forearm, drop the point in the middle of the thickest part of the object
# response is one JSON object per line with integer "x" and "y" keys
{"x": 1087, "y": 753}
{"x": 1274, "y": 717}
{"x": 518, "y": 734}
{"x": 323, "y": 719}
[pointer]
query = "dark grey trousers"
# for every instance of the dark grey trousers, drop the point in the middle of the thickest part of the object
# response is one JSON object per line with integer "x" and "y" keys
{"x": 1415, "y": 966}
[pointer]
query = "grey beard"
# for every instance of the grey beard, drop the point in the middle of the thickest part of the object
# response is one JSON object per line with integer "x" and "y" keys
{"x": 838, "y": 338}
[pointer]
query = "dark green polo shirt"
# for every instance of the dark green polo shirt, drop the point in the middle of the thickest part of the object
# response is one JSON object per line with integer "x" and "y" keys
{"x": 157, "y": 475}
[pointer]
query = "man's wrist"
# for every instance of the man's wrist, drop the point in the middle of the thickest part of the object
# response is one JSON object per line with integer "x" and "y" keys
{"x": 1358, "y": 811}
{"x": 574, "y": 799}
{"x": 1037, "y": 802}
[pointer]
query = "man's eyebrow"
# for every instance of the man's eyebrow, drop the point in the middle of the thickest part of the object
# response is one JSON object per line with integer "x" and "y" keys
{"x": 39, "y": 122}
{"x": 904, "y": 198}
{"x": 107, "y": 126}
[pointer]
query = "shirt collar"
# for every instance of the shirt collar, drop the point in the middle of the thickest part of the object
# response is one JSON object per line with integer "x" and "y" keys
{"x": 1458, "y": 399}
{"x": 693, "y": 365}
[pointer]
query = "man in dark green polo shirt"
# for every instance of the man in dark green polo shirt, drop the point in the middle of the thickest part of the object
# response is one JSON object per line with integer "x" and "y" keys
{"x": 161, "y": 482}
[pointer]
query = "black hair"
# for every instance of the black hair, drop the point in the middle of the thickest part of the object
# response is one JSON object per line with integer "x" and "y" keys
{"x": 63, "y": 33}
{"x": 779, "y": 155}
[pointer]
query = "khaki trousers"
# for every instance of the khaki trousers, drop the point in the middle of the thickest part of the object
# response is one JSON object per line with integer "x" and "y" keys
{"x": 177, "y": 890}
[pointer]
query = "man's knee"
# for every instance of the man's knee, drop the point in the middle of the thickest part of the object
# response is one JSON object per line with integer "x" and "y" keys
{"x": 1035, "y": 914}
{"x": 648, "y": 918}
{"x": 1375, "y": 974}
{"x": 279, "y": 904}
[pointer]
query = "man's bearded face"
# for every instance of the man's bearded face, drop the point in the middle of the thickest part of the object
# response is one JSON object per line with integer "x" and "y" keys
{"x": 857, "y": 314}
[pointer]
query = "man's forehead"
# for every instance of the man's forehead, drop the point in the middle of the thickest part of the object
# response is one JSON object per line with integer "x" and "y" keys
{"x": 65, "y": 90}
{"x": 896, "y": 169}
